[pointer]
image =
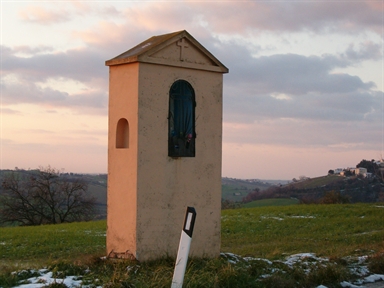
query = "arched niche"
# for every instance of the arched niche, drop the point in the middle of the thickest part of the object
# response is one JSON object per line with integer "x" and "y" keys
{"x": 122, "y": 133}
{"x": 181, "y": 120}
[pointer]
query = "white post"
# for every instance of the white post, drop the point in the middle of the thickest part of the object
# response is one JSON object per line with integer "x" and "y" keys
{"x": 184, "y": 245}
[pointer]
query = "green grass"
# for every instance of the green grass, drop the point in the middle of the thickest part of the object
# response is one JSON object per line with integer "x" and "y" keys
{"x": 217, "y": 272}
{"x": 327, "y": 230}
{"x": 39, "y": 245}
{"x": 271, "y": 202}
{"x": 332, "y": 231}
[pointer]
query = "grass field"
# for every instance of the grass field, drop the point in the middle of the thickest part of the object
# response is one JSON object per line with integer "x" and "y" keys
{"x": 37, "y": 246}
{"x": 271, "y": 202}
{"x": 335, "y": 233}
{"x": 327, "y": 230}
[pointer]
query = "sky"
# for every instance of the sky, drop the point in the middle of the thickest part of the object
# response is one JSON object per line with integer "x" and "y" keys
{"x": 304, "y": 93}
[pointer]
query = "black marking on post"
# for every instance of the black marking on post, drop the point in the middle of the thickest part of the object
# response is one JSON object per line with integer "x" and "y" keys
{"x": 189, "y": 221}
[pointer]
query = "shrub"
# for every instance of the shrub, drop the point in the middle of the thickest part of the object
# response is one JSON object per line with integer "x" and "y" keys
{"x": 333, "y": 197}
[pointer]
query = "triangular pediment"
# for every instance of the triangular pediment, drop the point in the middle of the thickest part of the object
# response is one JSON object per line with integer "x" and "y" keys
{"x": 178, "y": 49}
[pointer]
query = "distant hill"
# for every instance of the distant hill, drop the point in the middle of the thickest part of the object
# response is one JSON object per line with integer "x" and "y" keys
{"x": 316, "y": 182}
{"x": 232, "y": 189}
{"x": 352, "y": 189}
{"x": 235, "y": 189}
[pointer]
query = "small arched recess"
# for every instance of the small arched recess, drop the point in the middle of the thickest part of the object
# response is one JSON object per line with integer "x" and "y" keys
{"x": 122, "y": 133}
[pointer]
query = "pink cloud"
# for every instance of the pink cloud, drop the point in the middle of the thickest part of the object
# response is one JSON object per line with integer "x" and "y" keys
{"x": 167, "y": 16}
{"x": 141, "y": 20}
{"x": 291, "y": 16}
{"x": 43, "y": 16}
{"x": 103, "y": 32}
{"x": 4, "y": 110}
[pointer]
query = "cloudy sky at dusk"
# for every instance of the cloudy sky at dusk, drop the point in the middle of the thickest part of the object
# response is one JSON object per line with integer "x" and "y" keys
{"x": 304, "y": 93}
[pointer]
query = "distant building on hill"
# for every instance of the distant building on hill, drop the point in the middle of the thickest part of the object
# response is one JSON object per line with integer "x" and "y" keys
{"x": 338, "y": 170}
{"x": 361, "y": 171}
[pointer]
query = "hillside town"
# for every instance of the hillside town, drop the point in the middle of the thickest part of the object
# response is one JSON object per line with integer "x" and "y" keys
{"x": 377, "y": 168}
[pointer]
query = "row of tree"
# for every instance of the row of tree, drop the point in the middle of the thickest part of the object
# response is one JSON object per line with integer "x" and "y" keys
{"x": 44, "y": 196}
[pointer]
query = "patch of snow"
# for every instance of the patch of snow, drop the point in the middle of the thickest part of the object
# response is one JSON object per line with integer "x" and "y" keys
{"x": 293, "y": 216}
{"x": 257, "y": 259}
{"x": 345, "y": 284}
{"x": 305, "y": 261}
{"x": 265, "y": 276}
{"x": 293, "y": 259}
{"x": 359, "y": 270}
{"x": 272, "y": 217}
{"x": 130, "y": 268}
{"x": 362, "y": 259}
{"x": 365, "y": 233}
{"x": 373, "y": 278}
{"x": 46, "y": 278}
{"x": 359, "y": 282}
{"x": 232, "y": 258}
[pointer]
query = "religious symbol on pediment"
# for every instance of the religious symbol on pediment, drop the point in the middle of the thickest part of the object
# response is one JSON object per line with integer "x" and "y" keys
{"x": 182, "y": 45}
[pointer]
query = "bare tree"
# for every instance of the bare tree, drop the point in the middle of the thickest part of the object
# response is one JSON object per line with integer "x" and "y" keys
{"x": 44, "y": 197}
